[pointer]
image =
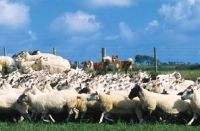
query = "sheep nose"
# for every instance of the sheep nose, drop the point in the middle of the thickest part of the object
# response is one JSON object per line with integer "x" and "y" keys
{"x": 182, "y": 98}
{"x": 88, "y": 99}
{"x": 130, "y": 97}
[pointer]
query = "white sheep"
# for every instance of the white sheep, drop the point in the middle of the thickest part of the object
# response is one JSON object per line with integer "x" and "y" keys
{"x": 152, "y": 102}
{"x": 29, "y": 57}
{"x": 86, "y": 107}
{"x": 22, "y": 64}
{"x": 52, "y": 69}
{"x": 9, "y": 104}
{"x": 37, "y": 52}
{"x": 41, "y": 62}
{"x": 117, "y": 105}
{"x": 155, "y": 86}
{"x": 50, "y": 103}
{"x": 7, "y": 62}
{"x": 192, "y": 93}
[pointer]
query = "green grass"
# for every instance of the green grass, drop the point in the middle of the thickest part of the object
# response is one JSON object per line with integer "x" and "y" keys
{"x": 40, "y": 126}
{"x": 186, "y": 74}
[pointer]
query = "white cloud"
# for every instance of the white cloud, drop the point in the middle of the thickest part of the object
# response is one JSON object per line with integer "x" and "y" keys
{"x": 184, "y": 15}
{"x": 32, "y": 38}
{"x": 13, "y": 14}
{"x": 102, "y": 3}
{"x": 190, "y": 2}
{"x": 78, "y": 22}
{"x": 32, "y": 35}
{"x": 125, "y": 32}
{"x": 154, "y": 23}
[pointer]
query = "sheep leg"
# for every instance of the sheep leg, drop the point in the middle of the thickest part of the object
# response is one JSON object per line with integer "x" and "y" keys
{"x": 51, "y": 118}
{"x": 42, "y": 117}
{"x": 139, "y": 115}
{"x": 106, "y": 117}
{"x": 76, "y": 111}
{"x": 82, "y": 116}
{"x": 193, "y": 118}
{"x": 27, "y": 116}
{"x": 69, "y": 114}
{"x": 102, "y": 115}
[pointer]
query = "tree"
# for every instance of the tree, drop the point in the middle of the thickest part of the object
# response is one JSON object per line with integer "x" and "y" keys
{"x": 145, "y": 59}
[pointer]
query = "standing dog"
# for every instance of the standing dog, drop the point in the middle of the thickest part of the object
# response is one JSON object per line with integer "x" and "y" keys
{"x": 119, "y": 65}
{"x": 98, "y": 66}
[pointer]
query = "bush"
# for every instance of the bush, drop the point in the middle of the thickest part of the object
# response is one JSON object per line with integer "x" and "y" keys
{"x": 188, "y": 67}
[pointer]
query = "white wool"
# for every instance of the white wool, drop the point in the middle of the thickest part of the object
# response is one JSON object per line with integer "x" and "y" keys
{"x": 45, "y": 103}
{"x": 117, "y": 105}
{"x": 6, "y": 61}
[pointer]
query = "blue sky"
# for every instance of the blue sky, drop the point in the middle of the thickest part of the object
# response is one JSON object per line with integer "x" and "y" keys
{"x": 80, "y": 28}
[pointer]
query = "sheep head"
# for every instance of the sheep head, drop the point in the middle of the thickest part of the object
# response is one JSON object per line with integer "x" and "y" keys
{"x": 22, "y": 98}
{"x": 93, "y": 96}
{"x": 189, "y": 92}
{"x": 134, "y": 91}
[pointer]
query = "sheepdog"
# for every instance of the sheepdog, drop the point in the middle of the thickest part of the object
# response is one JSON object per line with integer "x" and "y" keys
{"x": 98, "y": 66}
{"x": 119, "y": 65}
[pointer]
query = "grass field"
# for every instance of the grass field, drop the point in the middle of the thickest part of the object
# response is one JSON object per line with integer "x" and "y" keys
{"x": 25, "y": 126}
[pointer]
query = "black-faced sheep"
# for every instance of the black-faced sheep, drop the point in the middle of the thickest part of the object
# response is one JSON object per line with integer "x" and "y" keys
{"x": 154, "y": 102}
{"x": 192, "y": 93}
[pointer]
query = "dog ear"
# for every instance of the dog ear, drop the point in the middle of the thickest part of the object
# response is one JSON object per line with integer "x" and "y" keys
{"x": 117, "y": 56}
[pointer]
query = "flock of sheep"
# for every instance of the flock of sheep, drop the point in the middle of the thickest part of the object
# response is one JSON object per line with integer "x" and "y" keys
{"x": 50, "y": 90}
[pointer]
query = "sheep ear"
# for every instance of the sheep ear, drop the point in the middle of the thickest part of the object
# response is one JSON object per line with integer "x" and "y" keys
{"x": 180, "y": 93}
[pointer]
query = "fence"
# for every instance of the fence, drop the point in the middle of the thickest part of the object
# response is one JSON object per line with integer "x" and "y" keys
{"x": 177, "y": 55}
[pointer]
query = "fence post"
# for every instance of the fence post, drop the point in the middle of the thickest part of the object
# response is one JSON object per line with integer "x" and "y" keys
{"x": 4, "y": 49}
{"x": 54, "y": 50}
{"x": 103, "y": 53}
{"x": 155, "y": 60}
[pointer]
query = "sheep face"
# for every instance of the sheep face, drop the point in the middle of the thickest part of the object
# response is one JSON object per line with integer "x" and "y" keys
{"x": 134, "y": 92}
{"x": 188, "y": 93}
{"x": 22, "y": 98}
{"x": 198, "y": 80}
{"x": 93, "y": 96}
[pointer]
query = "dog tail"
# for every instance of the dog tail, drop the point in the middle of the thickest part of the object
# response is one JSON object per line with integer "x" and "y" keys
{"x": 131, "y": 61}
{"x": 107, "y": 59}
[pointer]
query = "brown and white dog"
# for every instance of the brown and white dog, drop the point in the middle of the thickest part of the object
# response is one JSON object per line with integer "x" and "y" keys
{"x": 98, "y": 66}
{"x": 119, "y": 65}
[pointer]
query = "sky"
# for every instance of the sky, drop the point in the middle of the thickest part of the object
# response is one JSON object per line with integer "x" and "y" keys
{"x": 79, "y": 29}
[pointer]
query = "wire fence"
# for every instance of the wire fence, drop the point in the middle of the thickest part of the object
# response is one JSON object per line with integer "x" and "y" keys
{"x": 177, "y": 55}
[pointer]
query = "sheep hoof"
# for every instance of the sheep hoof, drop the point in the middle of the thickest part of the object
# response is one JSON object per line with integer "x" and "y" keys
{"x": 46, "y": 120}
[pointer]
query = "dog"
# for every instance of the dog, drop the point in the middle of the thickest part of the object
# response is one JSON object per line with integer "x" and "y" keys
{"x": 119, "y": 65}
{"x": 98, "y": 66}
